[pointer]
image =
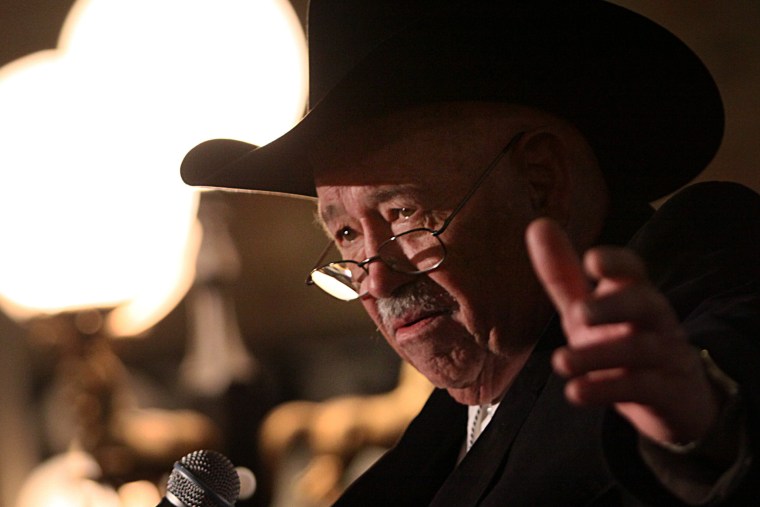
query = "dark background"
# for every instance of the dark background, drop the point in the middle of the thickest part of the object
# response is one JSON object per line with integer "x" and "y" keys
{"x": 307, "y": 345}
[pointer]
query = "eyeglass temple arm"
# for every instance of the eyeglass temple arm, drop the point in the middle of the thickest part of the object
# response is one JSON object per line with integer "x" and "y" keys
{"x": 479, "y": 181}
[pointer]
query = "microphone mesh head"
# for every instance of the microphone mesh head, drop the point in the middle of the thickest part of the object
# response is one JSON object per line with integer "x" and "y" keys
{"x": 213, "y": 470}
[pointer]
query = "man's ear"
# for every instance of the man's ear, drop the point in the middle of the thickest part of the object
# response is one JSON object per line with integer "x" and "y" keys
{"x": 547, "y": 166}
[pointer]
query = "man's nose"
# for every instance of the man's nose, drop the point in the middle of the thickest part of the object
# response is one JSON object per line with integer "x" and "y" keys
{"x": 381, "y": 280}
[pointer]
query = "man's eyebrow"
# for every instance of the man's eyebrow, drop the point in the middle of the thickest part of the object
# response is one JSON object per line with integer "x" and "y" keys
{"x": 380, "y": 196}
{"x": 388, "y": 194}
{"x": 325, "y": 213}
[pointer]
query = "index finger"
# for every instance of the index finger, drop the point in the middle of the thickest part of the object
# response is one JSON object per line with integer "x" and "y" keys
{"x": 556, "y": 263}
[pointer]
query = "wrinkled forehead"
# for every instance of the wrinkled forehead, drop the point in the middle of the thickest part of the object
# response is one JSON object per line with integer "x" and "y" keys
{"x": 337, "y": 202}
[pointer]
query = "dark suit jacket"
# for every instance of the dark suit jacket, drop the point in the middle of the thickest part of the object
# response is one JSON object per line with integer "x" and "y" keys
{"x": 702, "y": 248}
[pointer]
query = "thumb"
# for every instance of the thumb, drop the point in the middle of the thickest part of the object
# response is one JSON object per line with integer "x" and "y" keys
{"x": 556, "y": 263}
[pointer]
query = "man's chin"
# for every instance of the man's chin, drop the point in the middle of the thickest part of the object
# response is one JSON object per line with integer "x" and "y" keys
{"x": 463, "y": 384}
{"x": 466, "y": 395}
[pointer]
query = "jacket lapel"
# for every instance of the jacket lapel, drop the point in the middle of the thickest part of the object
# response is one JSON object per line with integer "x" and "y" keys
{"x": 412, "y": 472}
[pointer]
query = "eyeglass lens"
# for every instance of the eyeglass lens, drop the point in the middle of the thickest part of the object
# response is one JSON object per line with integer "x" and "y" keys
{"x": 413, "y": 252}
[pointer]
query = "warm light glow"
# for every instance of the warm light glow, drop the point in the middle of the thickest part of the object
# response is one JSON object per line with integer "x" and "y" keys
{"x": 139, "y": 494}
{"x": 92, "y": 210}
{"x": 67, "y": 480}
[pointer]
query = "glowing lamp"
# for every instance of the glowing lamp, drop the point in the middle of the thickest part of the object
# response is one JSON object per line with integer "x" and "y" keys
{"x": 93, "y": 213}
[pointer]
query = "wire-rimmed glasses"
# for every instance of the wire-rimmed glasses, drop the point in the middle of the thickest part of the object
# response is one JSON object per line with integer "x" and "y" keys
{"x": 412, "y": 252}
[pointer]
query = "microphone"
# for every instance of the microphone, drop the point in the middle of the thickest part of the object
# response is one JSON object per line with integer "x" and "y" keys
{"x": 202, "y": 479}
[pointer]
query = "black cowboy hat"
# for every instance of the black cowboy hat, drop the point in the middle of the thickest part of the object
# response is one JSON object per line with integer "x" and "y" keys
{"x": 645, "y": 102}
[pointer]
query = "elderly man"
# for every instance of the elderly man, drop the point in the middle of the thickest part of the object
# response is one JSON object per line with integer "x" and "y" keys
{"x": 464, "y": 155}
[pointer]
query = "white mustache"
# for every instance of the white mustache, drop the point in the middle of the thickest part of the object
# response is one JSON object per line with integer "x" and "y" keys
{"x": 421, "y": 296}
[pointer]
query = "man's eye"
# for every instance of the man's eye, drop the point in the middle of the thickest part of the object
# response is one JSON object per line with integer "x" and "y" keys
{"x": 406, "y": 212}
{"x": 346, "y": 234}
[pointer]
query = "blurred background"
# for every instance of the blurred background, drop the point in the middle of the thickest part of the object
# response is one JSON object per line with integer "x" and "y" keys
{"x": 106, "y": 379}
